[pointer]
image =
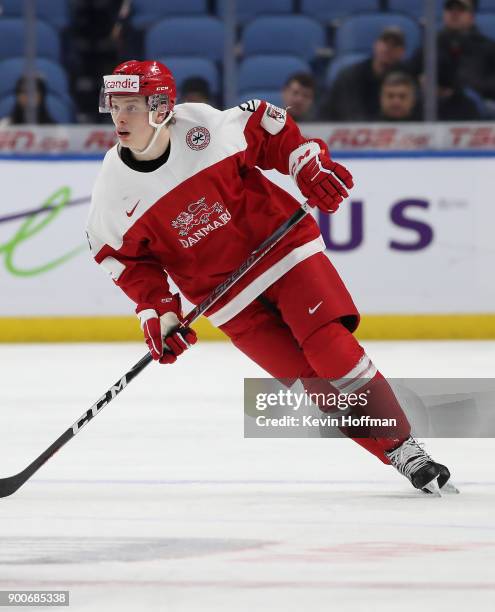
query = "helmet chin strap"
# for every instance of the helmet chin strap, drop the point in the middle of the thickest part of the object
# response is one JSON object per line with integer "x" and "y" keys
{"x": 158, "y": 127}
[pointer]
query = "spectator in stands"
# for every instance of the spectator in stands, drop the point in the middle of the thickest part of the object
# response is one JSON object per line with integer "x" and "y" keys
{"x": 453, "y": 103}
{"x": 196, "y": 89}
{"x": 399, "y": 98}
{"x": 18, "y": 114}
{"x": 461, "y": 43}
{"x": 298, "y": 96}
{"x": 355, "y": 94}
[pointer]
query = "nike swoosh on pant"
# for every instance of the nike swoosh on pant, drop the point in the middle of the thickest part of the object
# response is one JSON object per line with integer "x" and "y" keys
{"x": 315, "y": 308}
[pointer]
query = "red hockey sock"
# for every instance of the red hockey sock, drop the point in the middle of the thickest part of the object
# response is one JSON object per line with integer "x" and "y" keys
{"x": 335, "y": 354}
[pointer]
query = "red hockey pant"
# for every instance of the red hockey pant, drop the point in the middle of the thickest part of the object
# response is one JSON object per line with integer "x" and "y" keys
{"x": 301, "y": 327}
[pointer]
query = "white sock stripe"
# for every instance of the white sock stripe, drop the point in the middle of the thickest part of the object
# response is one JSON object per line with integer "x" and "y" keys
{"x": 352, "y": 381}
{"x": 356, "y": 371}
{"x": 363, "y": 380}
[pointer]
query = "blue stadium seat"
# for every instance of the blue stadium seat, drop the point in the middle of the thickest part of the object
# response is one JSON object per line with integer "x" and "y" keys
{"x": 54, "y": 12}
{"x": 6, "y": 106}
{"x": 146, "y": 13}
{"x": 339, "y": 63}
{"x": 12, "y": 39}
{"x": 186, "y": 67}
{"x": 268, "y": 71}
{"x": 330, "y": 10}
{"x": 246, "y": 11}
{"x": 270, "y": 95}
{"x": 486, "y": 6}
{"x": 288, "y": 35}
{"x": 186, "y": 36}
{"x": 414, "y": 8}
{"x": 486, "y": 24}
{"x": 60, "y": 110}
{"x": 53, "y": 74}
{"x": 357, "y": 34}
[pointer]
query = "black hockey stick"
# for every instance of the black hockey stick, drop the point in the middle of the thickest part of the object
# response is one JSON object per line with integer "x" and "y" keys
{"x": 12, "y": 483}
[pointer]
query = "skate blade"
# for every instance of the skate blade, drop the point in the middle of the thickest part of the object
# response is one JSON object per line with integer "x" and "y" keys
{"x": 450, "y": 489}
{"x": 432, "y": 488}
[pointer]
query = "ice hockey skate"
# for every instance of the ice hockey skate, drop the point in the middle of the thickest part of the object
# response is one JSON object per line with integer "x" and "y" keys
{"x": 411, "y": 460}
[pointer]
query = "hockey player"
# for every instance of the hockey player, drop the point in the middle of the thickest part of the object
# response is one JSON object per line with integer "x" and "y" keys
{"x": 181, "y": 195}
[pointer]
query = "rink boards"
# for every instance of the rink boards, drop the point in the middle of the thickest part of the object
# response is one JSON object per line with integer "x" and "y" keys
{"x": 414, "y": 245}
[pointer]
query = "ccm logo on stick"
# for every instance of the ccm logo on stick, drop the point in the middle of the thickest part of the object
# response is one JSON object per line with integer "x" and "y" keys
{"x": 101, "y": 403}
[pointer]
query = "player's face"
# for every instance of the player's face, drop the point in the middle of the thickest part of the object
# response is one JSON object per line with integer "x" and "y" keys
{"x": 130, "y": 116}
{"x": 397, "y": 101}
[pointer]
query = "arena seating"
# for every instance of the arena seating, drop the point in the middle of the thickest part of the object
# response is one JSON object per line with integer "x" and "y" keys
{"x": 12, "y": 39}
{"x": 356, "y": 34}
{"x": 246, "y": 11}
{"x": 276, "y": 39}
{"x": 270, "y": 95}
{"x": 486, "y": 6}
{"x": 186, "y": 67}
{"x": 186, "y": 36}
{"x": 339, "y": 63}
{"x": 268, "y": 71}
{"x": 53, "y": 74}
{"x": 486, "y": 24}
{"x": 413, "y": 8}
{"x": 54, "y": 12}
{"x": 296, "y": 35}
{"x": 328, "y": 11}
{"x": 145, "y": 13}
{"x": 60, "y": 110}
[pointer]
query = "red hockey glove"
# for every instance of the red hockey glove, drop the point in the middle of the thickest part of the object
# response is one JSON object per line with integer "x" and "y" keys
{"x": 164, "y": 340}
{"x": 322, "y": 181}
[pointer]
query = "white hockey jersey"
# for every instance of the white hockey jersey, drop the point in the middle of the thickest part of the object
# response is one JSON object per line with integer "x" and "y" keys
{"x": 198, "y": 216}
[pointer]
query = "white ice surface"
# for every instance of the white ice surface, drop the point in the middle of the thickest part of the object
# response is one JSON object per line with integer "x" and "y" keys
{"x": 160, "y": 504}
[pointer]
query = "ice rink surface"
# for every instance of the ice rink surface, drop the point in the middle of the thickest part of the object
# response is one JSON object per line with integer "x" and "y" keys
{"x": 160, "y": 504}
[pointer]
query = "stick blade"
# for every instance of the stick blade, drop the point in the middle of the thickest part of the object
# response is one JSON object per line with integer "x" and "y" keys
{"x": 11, "y": 484}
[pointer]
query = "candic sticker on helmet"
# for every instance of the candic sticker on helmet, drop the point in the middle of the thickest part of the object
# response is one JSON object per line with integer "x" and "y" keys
{"x": 120, "y": 83}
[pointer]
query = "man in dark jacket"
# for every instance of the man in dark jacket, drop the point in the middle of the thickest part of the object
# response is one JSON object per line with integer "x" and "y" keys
{"x": 355, "y": 94}
{"x": 453, "y": 102}
{"x": 461, "y": 44}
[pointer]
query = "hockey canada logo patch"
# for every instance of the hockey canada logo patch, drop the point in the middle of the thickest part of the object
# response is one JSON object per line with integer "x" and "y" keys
{"x": 276, "y": 113}
{"x": 198, "y": 138}
{"x": 200, "y": 213}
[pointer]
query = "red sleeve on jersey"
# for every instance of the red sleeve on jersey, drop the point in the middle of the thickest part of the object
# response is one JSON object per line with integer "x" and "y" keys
{"x": 269, "y": 151}
{"x": 143, "y": 279}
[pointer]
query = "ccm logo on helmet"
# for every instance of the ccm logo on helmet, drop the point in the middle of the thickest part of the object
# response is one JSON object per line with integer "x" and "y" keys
{"x": 117, "y": 83}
